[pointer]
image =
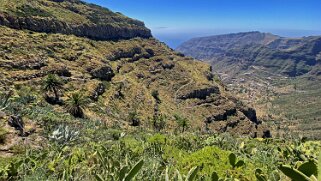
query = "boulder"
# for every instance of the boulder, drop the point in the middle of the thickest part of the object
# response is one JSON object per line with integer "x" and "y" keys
{"x": 17, "y": 123}
{"x": 103, "y": 73}
{"x": 168, "y": 65}
{"x": 99, "y": 90}
{"x": 62, "y": 71}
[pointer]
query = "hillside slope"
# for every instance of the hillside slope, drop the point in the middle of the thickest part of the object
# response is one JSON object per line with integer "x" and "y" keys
{"x": 134, "y": 81}
{"x": 279, "y": 76}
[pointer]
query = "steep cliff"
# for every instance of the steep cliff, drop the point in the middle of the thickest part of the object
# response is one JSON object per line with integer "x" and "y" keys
{"x": 70, "y": 17}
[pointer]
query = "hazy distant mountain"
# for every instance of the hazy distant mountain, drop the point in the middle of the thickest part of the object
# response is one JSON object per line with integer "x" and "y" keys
{"x": 240, "y": 51}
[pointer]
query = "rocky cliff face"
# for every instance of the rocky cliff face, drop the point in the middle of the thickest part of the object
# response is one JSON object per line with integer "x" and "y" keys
{"x": 93, "y": 31}
{"x": 138, "y": 75}
{"x": 40, "y": 16}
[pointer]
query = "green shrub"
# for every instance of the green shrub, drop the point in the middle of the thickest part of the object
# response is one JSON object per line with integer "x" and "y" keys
{"x": 182, "y": 122}
{"x": 3, "y": 135}
{"x": 26, "y": 95}
{"x": 155, "y": 95}
{"x": 28, "y": 10}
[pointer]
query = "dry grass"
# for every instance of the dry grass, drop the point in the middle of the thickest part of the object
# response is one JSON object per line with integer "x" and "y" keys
{"x": 163, "y": 71}
{"x": 76, "y": 12}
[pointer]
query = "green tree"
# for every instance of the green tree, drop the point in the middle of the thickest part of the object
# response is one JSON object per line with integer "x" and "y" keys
{"x": 155, "y": 95}
{"x": 182, "y": 122}
{"x": 53, "y": 84}
{"x": 76, "y": 104}
{"x": 159, "y": 122}
{"x": 133, "y": 118}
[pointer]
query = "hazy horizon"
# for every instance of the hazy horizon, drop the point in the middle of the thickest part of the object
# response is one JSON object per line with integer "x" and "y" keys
{"x": 174, "y": 39}
{"x": 174, "y": 22}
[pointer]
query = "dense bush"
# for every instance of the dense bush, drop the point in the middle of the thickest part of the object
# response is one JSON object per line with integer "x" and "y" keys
{"x": 158, "y": 156}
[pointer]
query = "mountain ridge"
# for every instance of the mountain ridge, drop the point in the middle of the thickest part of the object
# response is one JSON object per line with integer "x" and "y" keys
{"x": 70, "y": 17}
{"x": 299, "y": 55}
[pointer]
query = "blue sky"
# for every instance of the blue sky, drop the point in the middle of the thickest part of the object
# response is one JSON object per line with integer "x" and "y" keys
{"x": 175, "y": 21}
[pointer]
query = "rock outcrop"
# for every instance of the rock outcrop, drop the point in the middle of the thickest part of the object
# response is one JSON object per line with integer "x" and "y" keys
{"x": 81, "y": 19}
{"x": 103, "y": 73}
{"x": 250, "y": 113}
{"x": 98, "y": 91}
{"x": 202, "y": 93}
{"x": 93, "y": 31}
{"x": 222, "y": 116}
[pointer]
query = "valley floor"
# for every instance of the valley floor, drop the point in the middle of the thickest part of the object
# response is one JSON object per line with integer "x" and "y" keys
{"x": 288, "y": 105}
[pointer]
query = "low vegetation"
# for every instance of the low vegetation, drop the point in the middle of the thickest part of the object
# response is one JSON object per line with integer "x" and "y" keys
{"x": 78, "y": 148}
{"x": 3, "y": 135}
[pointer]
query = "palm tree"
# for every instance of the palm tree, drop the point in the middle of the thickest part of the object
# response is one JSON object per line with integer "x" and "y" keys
{"x": 76, "y": 104}
{"x": 53, "y": 84}
{"x": 159, "y": 121}
{"x": 182, "y": 122}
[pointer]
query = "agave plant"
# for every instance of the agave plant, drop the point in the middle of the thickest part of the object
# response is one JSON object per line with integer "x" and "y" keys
{"x": 64, "y": 135}
{"x": 4, "y": 100}
{"x": 25, "y": 95}
{"x": 191, "y": 175}
{"x": 110, "y": 168}
{"x": 76, "y": 104}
